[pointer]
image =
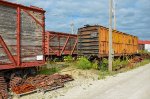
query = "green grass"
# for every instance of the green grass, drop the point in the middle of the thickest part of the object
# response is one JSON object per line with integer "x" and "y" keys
{"x": 144, "y": 62}
{"x": 84, "y": 63}
{"x": 104, "y": 73}
{"x": 68, "y": 58}
{"x": 104, "y": 64}
{"x": 134, "y": 66}
{"x": 118, "y": 63}
{"x": 49, "y": 71}
{"x": 95, "y": 65}
{"x": 144, "y": 52}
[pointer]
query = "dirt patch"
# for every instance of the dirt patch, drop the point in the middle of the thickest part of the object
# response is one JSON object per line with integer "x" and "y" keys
{"x": 82, "y": 79}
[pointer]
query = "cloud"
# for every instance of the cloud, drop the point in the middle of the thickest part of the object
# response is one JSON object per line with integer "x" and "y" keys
{"x": 132, "y": 15}
{"x": 134, "y": 19}
{"x": 26, "y": 2}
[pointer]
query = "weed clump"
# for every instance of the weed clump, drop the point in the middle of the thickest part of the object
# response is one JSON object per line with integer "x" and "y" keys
{"x": 103, "y": 74}
{"x": 49, "y": 71}
{"x": 68, "y": 58}
{"x": 104, "y": 64}
{"x": 118, "y": 63}
{"x": 144, "y": 62}
{"x": 144, "y": 52}
{"x": 95, "y": 65}
{"x": 84, "y": 63}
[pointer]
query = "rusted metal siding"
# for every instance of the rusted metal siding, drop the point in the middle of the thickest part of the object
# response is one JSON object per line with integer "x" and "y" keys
{"x": 7, "y": 31}
{"x": 59, "y": 44}
{"x": 22, "y": 31}
{"x": 122, "y": 43}
{"x": 31, "y": 36}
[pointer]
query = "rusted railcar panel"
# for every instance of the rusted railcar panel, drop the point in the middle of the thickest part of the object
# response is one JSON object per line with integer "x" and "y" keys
{"x": 122, "y": 43}
{"x": 31, "y": 36}
{"x": 58, "y": 44}
{"x": 8, "y": 31}
{"x": 22, "y": 31}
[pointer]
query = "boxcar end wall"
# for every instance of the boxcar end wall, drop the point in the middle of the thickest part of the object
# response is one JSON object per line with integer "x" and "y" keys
{"x": 60, "y": 44}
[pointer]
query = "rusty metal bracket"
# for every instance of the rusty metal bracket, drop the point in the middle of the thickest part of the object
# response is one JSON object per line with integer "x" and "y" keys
{"x": 65, "y": 45}
{"x": 52, "y": 37}
{"x": 52, "y": 50}
{"x": 7, "y": 51}
{"x": 33, "y": 18}
{"x": 74, "y": 46}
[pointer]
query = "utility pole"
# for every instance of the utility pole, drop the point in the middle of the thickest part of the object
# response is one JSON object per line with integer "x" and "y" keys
{"x": 110, "y": 35}
{"x": 114, "y": 13}
{"x": 72, "y": 27}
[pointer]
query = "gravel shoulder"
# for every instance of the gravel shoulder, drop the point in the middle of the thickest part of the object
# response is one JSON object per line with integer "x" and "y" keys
{"x": 133, "y": 84}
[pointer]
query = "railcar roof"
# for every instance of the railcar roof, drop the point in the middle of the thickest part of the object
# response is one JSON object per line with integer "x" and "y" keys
{"x": 86, "y": 26}
{"x": 15, "y": 5}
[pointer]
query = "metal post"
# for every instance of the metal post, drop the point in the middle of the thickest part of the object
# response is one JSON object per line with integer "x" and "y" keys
{"x": 110, "y": 35}
{"x": 72, "y": 27}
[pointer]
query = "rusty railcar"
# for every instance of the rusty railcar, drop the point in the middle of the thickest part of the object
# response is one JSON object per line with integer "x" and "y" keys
{"x": 22, "y": 34}
{"x": 58, "y": 44}
{"x": 94, "y": 41}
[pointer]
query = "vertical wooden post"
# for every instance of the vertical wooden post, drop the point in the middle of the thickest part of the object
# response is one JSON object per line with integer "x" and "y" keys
{"x": 110, "y": 36}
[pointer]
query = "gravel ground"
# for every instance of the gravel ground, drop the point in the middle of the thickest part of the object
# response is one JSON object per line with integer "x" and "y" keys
{"x": 82, "y": 79}
{"x": 133, "y": 84}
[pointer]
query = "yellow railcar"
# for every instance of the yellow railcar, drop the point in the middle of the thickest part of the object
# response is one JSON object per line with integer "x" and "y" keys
{"x": 94, "y": 40}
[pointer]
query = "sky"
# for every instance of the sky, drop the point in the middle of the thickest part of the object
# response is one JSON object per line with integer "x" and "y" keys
{"x": 132, "y": 15}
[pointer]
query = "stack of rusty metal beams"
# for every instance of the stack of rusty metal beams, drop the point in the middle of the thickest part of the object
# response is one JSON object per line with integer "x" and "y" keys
{"x": 136, "y": 59}
{"x": 146, "y": 56}
{"x": 3, "y": 88}
{"x": 44, "y": 82}
{"x": 16, "y": 81}
{"x": 23, "y": 88}
{"x": 39, "y": 82}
